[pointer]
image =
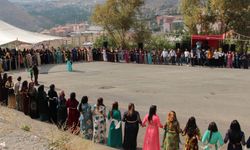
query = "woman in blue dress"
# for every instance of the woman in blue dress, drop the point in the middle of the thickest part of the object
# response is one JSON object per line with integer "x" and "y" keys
{"x": 149, "y": 57}
{"x": 86, "y": 121}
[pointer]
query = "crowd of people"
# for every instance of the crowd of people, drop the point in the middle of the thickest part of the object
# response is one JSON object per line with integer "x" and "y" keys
{"x": 11, "y": 59}
{"x": 90, "y": 120}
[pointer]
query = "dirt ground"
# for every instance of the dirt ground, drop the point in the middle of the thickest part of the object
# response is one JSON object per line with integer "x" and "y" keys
{"x": 209, "y": 94}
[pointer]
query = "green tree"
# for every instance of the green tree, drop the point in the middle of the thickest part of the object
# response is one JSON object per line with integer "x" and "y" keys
{"x": 159, "y": 42}
{"x": 117, "y": 17}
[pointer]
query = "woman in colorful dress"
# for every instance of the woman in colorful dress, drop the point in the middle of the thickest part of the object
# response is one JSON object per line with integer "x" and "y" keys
{"x": 235, "y": 137}
{"x": 32, "y": 92}
{"x": 132, "y": 120}
{"x": 172, "y": 131}
{"x": 212, "y": 138}
{"x": 11, "y": 96}
{"x": 115, "y": 129}
{"x": 192, "y": 133}
{"x": 61, "y": 110}
{"x": 86, "y": 122}
{"x": 99, "y": 120}
{"x": 25, "y": 97}
{"x": 152, "y": 139}
{"x": 73, "y": 113}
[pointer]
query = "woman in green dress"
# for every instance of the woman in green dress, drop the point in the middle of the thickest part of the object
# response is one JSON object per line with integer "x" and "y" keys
{"x": 86, "y": 123}
{"x": 212, "y": 138}
{"x": 115, "y": 129}
{"x": 172, "y": 131}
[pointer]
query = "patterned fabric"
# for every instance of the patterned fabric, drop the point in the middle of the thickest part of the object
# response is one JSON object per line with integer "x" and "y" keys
{"x": 172, "y": 138}
{"x": 192, "y": 142}
{"x": 99, "y": 124}
{"x": 86, "y": 123}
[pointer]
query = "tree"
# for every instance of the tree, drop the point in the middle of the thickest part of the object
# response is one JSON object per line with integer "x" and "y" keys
{"x": 232, "y": 14}
{"x": 117, "y": 17}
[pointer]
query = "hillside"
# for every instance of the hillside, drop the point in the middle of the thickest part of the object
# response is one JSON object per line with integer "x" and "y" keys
{"x": 17, "y": 16}
{"x": 36, "y": 14}
{"x": 18, "y": 131}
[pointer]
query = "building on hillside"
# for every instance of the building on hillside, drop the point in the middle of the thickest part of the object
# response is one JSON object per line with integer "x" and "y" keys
{"x": 169, "y": 23}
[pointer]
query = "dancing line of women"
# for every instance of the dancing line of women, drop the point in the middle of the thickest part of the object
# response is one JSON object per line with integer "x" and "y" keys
{"x": 90, "y": 121}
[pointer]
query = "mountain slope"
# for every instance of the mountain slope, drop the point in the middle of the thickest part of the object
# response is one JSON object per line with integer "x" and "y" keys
{"x": 17, "y": 16}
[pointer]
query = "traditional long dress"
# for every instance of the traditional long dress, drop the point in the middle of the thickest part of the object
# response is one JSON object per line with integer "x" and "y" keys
{"x": 192, "y": 141}
{"x": 53, "y": 102}
{"x": 236, "y": 140}
{"x": 38, "y": 57}
{"x": 172, "y": 139}
{"x": 11, "y": 96}
{"x": 115, "y": 131}
{"x": 99, "y": 121}
{"x": 61, "y": 112}
{"x": 18, "y": 96}
{"x": 131, "y": 130}
{"x": 1, "y": 65}
{"x": 25, "y": 100}
{"x": 69, "y": 66}
{"x": 152, "y": 139}
{"x": 215, "y": 141}
{"x": 145, "y": 58}
{"x": 34, "y": 113}
{"x": 104, "y": 55}
{"x": 43, "y": 106}
{"x": 149, "y": 58}
{"x": 73, "y": 114}
{"x": 86, "y": 121}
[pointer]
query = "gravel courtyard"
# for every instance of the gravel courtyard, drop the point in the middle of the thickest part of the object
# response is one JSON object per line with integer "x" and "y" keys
{"x": 209, "y": 94}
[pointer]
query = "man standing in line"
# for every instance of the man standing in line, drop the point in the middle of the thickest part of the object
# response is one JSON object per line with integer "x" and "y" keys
{"x": 164, "y": 54}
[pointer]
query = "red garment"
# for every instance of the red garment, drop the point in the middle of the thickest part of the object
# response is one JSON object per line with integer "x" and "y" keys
{"x": 73, "y": 113}
{"x": 152, "y": 138}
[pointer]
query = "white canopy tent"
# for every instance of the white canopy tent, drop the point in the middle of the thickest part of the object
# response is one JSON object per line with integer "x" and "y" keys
{"x": 9, "y": 33}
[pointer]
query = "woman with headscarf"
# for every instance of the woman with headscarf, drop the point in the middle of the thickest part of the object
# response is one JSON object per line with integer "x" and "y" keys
{"x": 11, "y": 96}
{"x": 99, "y": 120}
{"x": 172, "y": 131}
{"x": 212, "y": 138}
{"x": 235, "y": 137}
{"x": 73, "y": 113}
{"x": 25, "y": 97}
{"x": 192, "y": 133}
{"x": 115, "y": 129}
{"x": 61, "y": 110}
{"x": 53, "y": 102}
{"x": 43, "y": 104}
{"x": 32, "y": 92}
{"x": 151, "y": 138}
{"x": 132, "y": 120}
{"x": 86, "y": 122}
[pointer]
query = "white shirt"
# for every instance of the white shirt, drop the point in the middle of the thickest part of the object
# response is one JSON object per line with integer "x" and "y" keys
{"x": 216, "y": 55}
{"x": 172, "y": 53}
{"x": 164, "y": 53}
{"x": 198, "y": 53}
{"x": 186, "y": 53}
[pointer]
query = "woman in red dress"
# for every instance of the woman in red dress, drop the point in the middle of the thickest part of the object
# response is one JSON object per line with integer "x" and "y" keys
{"x": 73, "y": 113}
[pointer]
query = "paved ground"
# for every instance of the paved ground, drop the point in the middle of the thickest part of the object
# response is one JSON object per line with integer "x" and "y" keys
{"x": 209, "y": 94}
